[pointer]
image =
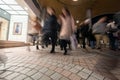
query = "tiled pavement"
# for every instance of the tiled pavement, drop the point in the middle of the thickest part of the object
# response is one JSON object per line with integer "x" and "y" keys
{"x": 41, "y": 65}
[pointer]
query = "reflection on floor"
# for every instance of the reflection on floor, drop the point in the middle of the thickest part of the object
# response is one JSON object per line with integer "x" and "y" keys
{"x": 81, "y": 64}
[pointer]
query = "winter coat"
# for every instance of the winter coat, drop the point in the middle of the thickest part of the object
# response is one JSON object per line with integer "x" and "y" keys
{"x": 50, "y": 25}
{"x": 67, "y": 27}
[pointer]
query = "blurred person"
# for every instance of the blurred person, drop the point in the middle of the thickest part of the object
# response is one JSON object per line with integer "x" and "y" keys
{"x": 35, "y": 30}
{"x": 49, "y": 29}
{"x": 67, "y": 28}
{"x": 99, "y": 31}
{"x": 84, "y": 28}
{"x": 111, "y": 31}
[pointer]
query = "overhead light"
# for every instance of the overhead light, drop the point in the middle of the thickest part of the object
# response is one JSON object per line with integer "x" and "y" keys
{"x": 16, "y": 7}
{"x": 22, "y": 12}
{"x": 5, "y": 7}
{"x": 10, "y": 1}
{"x": 12, "y": 12}
{"x": 77, "y": 21}
{"x": 75, "y": 0}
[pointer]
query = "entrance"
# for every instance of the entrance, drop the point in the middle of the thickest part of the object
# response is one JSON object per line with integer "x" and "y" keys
{"x": 3, "y": 28}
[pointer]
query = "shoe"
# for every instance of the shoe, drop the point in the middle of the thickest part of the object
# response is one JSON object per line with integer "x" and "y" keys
{"x": 65, "y": 53}
{"x": 37, "y": 47}
{"x": 52, "y": 51}
{"x": 98, "y": 48}
{"x": 113, "y": 49}
{"x": 84, "y": 47}
{"x": 61, "y": 48}
{"x": 42, "y": 46}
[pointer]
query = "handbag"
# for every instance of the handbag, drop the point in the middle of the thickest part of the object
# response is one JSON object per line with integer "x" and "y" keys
{"x": 73, "y": 41}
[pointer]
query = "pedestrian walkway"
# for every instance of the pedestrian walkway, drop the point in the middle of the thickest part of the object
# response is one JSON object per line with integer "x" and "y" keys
{"x": 81, "y": 64}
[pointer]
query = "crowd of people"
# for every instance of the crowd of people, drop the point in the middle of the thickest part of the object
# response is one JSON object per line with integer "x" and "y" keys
{"x": 105, "y": 32}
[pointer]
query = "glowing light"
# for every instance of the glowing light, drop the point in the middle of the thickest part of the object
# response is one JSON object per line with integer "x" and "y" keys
{"x": 75, "y": 0}
{"x": 77, "y": 21}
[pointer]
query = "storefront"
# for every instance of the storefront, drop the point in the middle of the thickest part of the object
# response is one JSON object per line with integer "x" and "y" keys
{"x": 4, "y": 24}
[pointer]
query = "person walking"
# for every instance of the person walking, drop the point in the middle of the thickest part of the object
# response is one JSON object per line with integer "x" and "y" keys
{"x": 67, "y": 28}
{"x": 50, "y": 29}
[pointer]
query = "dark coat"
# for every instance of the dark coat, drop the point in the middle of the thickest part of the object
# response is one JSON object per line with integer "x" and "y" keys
{"x": 50, "y": 24}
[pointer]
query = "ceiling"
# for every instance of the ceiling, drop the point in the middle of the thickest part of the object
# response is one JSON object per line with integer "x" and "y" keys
{"x": 80, "y": 7}
{"x": 12, "y": 7}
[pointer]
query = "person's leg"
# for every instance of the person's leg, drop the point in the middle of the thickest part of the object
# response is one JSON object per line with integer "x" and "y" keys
{"x": 65, "y": 46}
{"x": 105, "y": 40}
{"x": 69, "y": 44}
{"x": 98, "y": 38}
{"x": 60, "y": 43}
{"x": 83, "y": 42}
{"x": 53, "y": 42}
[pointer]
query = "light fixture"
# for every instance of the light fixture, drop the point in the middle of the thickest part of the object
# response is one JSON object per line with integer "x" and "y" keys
{"x": 16, "y": 7}
{"x": 75, "y": 0}
{"x": 77, "y": 21}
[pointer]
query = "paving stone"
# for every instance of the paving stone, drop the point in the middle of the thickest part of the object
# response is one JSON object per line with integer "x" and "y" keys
{"x": 19, "y": 69}
{"x": 47, "y": 65}
{"x": 20, "y": 64}
{"x": 60, "y": 65}
{"x": 5, "y": 74}
{"x": 97, "y": 76}
{"x": 74, "y": 77}
{"x": 28, "y": 78}
{"x": 74, "y": 70}
{"x": 54, "y": 64}
{"x": 56, "y": 76}
{"x": 107, "y": 79}
{"x": 83, "y": 75}
{"x": 78, "y": 67}
{"x": 59, "y": 70}
{"x": 52, "y": 67}
{"x": 38, "y": 67}
{"x": 11, "y": 76}
{"x": 92, "y": 78}
{"x": 8, "y": 66}
{"x": 31, "y": 72}
{"x": 27, "y": 65}
{"x": 64, "y": 78}
{"x": 45, "y": 78}
{"x": 71, "y": 65}
{"x": 12, "y": 68}
{"x": 66, "y": 73}
{"x": 37, "y": 75}
{"x": 26, "y": 70}
{"x": 2, "y": 79}
{"x": 87, "y": 71}
{"x": 32, "y": 66}
{"x": 65, "y": 63}
{"x": 67, "y": 67}
{"x": 43, "y": 70}
{"x": 50, "y": 72}
{"x": 20, "y": 77}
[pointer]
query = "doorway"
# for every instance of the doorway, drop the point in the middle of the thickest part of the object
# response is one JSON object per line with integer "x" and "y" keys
{"x": 3, "y": 28}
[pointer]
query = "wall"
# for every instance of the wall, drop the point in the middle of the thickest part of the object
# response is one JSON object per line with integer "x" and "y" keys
{"x": 19, "y": 19}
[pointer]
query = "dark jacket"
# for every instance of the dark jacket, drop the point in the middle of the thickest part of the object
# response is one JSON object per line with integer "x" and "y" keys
{"x": 84, "y": 30}
{"x": 50, "y": 24}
